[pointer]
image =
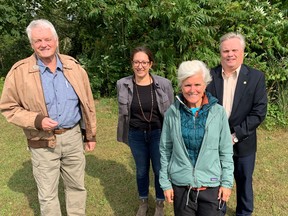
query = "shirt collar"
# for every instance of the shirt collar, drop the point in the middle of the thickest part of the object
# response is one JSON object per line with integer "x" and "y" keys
{"x": 235, "y": 73}
{"x": 43, "y": 67}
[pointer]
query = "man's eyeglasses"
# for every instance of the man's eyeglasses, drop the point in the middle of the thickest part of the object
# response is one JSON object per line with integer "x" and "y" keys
{"x": 137, "y": 63}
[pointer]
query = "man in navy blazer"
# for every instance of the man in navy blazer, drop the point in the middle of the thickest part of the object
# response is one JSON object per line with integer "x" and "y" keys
{"x": 242, "y": 92}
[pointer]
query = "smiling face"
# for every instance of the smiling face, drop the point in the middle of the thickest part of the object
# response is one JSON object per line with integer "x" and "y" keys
{"x": 141, "y": 65}
{"x": 193, "y": 89}
{"x": 232, "y": 54}
{"x": 44, "y": 43}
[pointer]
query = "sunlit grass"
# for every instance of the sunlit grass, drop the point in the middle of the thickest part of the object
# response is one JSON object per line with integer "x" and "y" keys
{"x": 110, "y": 173}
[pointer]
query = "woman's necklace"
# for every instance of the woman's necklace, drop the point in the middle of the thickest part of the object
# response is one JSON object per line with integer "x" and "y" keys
{"x": 152, "y": 102}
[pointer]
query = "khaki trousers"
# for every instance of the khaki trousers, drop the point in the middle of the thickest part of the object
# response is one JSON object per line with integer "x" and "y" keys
{"x": 67, "y": 160}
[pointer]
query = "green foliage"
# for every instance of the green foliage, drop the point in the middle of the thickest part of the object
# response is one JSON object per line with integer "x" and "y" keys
{"x": 265, "y": 28}
{"x": 12, "y": 23}
{"x": 1, "y": 83}
{"x": 102, "y": 33}
{"x": 15, "y": 16}
{"x": 278, "y": 109}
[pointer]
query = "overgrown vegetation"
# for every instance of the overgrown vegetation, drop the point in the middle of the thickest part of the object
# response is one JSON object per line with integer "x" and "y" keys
{"x": 101, "y": 33}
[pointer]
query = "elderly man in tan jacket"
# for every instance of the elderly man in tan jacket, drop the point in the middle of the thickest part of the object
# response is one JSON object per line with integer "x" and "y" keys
{"x": 49, "y": 96}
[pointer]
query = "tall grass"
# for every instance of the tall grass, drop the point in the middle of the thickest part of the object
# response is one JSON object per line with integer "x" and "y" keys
{"x": 110, "y": 173}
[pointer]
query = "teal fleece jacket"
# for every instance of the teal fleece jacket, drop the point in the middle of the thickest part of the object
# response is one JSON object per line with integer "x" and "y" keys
{"x": 214, "y": 166}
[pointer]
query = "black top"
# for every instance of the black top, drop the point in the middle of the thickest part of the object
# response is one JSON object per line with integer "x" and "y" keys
{"x": 137, "y": 120}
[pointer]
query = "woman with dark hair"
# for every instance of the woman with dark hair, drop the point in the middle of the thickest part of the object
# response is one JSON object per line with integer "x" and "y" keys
{"x": 142, "y": 100}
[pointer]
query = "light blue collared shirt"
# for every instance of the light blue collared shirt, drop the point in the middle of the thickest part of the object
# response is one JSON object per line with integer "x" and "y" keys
{"x": 61, "y": 100}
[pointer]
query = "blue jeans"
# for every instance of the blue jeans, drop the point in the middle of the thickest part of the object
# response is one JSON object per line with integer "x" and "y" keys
{"x": 144, "y": 146}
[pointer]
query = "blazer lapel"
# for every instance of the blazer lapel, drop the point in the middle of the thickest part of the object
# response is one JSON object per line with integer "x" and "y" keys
{"x": 240, "y": 87}
{"x": 218, "y": 80}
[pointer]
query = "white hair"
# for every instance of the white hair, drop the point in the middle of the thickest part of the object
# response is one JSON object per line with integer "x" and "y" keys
{"x": 42, "y": 23}
{"x": 190, "y": 68}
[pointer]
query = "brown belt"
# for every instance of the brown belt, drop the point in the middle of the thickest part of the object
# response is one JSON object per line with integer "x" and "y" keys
{"x": 42, "y": 143}
{"x": 61, "y": 130}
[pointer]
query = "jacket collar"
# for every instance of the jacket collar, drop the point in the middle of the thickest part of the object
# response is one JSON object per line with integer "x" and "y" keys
{"x": 33, "y": 67}
{"x": 242, "y": 82}
{"x": 32, "y": 64}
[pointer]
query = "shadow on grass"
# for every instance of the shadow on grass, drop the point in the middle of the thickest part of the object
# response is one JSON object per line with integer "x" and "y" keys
{"x": 117, "y": 183}
{"x": 22, "y": 181}
{"x": 119, "y": 186}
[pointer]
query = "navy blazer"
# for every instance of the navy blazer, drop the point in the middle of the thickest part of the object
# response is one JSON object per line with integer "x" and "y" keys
{"x": 249, "y": 106}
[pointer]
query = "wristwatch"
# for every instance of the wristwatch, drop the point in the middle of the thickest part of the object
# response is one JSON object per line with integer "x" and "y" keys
{"x": 235, "y": 139}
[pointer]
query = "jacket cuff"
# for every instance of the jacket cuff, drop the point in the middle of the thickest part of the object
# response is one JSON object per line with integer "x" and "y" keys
{"x": 93, "y": 139}
{"x": 38, "y": 121}
{"x": 230, "y": 186}
{"x": 83, "y": 131}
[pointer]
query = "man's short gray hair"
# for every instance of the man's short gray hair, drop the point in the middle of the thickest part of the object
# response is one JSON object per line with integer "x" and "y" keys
{"x": 231, "y": 35}
{"x": 42, "y": 23}
{"x": 190, "y": 68}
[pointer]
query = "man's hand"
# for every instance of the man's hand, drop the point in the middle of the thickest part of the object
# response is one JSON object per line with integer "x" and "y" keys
{"x": 224, "y": 194}
{"x": 48, "y": 124}
{"x": 169, "y": 195}
{"x": 233, "y": 138}
{"x": 90, "y": 145}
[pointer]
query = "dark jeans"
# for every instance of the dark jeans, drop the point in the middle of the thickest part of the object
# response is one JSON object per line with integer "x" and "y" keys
{"x": 144, "y": 146}
{"x": 197, "y": 203}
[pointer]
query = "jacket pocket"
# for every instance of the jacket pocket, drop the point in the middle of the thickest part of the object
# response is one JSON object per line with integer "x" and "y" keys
{"x": 123, "y": 105}
{"x": 213, "y": 136}
{"x": 165, "y": 99}
{"x": 164, "y": 103}
{"x": 177, "y": 166}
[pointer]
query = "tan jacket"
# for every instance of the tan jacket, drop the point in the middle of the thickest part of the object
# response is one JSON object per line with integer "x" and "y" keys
{"x": 23, "y": 102}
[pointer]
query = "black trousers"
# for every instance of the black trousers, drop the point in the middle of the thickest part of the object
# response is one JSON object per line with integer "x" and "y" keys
{"x": 243, "y": 172}
{"x": 196, "y": 203}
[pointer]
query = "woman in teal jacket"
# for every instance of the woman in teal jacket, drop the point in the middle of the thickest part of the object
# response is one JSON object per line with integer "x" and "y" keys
{"x": 196, "y": 147}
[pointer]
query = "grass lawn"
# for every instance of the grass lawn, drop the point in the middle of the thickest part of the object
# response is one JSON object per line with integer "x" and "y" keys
{"x": 110, "y": 173}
